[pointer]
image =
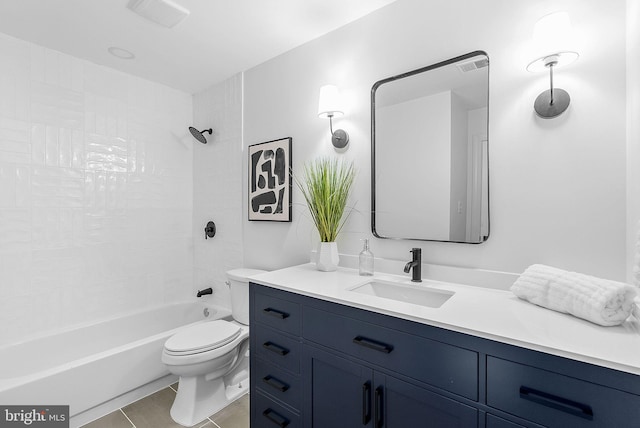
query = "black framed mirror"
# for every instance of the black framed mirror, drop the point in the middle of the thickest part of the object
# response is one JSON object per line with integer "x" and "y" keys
{"x": 430, "y": 152}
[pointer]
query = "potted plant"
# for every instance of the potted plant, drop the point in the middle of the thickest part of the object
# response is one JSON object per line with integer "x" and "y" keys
{"x": 325, "y": 186}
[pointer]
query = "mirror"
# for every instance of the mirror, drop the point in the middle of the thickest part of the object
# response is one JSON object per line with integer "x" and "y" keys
{"x": 429, "y": 152}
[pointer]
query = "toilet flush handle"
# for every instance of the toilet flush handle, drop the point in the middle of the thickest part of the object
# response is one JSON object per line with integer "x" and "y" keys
{"x": 228, "y": 284}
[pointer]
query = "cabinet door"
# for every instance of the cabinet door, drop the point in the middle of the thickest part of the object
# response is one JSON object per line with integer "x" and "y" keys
{"x": 398, "y": 404}
{"x": 339, "y": 391}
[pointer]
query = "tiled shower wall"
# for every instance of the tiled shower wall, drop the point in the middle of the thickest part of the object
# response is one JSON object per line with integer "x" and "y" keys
{"x": 95, "y": 191}
{"x": 217, "y": 185}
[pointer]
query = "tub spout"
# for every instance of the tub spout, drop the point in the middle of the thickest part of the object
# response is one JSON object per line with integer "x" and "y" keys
{"x": 204, "y": 292}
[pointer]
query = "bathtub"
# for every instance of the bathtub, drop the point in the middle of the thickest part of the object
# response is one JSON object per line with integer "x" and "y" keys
{"x": 87, "y": 366}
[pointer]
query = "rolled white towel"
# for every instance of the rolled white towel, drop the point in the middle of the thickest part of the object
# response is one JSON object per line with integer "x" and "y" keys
{"x": 636, "y": 265}
{"x": 636, "y": 274}
{"x": 600, "y": 301}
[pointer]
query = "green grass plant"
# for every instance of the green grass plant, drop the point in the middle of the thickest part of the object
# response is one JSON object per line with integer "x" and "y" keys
{"x": 325, "y": 186}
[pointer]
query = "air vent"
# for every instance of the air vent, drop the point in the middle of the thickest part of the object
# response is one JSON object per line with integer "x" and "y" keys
{"x": 473, "y": 65}
{"x": 162, "y": 12}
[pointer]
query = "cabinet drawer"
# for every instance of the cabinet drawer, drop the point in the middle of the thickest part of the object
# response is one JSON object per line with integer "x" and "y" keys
{"x": 276, "y": 348}
{"x": 277, "y": 313}
{"x": 265, "y": 413}
{"x": 279, "y": 383}
{"x": 444, "y": 366}
{"x": 556, "y": 400}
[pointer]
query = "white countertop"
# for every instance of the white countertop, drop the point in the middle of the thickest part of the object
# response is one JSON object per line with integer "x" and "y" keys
{"x": 484, "y": 312}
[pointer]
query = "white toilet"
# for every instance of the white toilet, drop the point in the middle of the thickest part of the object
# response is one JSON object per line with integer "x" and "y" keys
{"x": 211, "y": 358}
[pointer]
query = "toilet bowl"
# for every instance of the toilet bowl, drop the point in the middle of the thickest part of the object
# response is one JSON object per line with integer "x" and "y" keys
{"x": 211, "y": 358}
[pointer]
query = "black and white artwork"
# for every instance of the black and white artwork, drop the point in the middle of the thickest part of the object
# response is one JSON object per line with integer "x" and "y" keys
{"x": 270, "y": 181}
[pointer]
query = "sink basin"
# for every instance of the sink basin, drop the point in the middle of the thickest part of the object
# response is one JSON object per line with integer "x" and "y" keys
{"x": 417, "y": 295}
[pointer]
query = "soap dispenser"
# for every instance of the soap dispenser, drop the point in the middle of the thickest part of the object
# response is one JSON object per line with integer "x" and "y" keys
{"x": 366, "y": 260}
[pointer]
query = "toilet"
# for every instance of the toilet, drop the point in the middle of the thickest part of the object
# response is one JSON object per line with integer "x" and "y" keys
{"x": 211, "y": 358}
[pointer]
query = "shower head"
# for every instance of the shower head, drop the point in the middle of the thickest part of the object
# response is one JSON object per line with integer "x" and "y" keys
{"x": 198, "y": 135}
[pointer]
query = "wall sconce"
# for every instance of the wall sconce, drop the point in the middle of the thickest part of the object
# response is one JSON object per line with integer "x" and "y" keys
{"x": 330, "y": 105}
{"x": 550, "y": 31}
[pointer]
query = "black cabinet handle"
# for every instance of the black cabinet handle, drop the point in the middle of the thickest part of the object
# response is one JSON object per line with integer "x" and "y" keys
{"x": 373, "y": 344}
{"x": 276, "y": 418}
{"x": 275, "y": 383}
{"x": 276, "y": 313}
{"x": 366, "y": 403}
{"x": 379, "y": 416}
{"x": 555, "y": 402}
{"x": 275, "y": 348}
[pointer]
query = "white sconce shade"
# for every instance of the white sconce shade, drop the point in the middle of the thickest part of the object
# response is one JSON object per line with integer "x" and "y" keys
{"x": 330, "y": 102}
{"x": 329, "y": 105}
{"x": 552, "y": 32}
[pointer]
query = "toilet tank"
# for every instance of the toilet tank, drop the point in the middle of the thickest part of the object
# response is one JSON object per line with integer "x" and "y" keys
{"x": 239, "y": 287}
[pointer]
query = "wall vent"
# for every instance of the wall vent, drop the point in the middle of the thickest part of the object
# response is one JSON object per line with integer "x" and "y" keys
{"x": 163, "y": 12}
{"x": 473, "y": 65}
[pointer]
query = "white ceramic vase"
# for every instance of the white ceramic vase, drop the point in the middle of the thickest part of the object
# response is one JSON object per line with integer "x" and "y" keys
{"x": 328, "y": 257}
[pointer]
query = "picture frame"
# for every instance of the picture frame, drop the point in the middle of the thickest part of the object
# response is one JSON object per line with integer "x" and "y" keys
{"x": 270, "y": 181}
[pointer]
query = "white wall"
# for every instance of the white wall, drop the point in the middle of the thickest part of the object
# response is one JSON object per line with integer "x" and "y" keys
{"x": 557, "y": 186}
{"x": 217, "y": 186}
{"x": 633, "y": 134}
{"x": 95, "y": 191}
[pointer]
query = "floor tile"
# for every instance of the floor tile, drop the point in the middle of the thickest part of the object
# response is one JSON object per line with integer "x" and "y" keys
{"x": 236, "y": 415}
{"x": 112, "y": 420}
{"x": 153, "y": 411}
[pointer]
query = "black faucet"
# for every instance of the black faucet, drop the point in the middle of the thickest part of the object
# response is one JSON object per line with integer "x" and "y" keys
{"x": 204, "y": 292}
{"x": 416, "y": 264}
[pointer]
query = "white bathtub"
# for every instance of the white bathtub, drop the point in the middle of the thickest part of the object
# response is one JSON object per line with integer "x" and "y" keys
{"x": 87, "y": 366}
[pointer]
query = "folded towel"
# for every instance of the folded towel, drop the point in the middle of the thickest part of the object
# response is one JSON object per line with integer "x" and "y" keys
{"x": 636, "y": 274}
{"x": 600, "y": 301}
{"x": 636, "y": 264}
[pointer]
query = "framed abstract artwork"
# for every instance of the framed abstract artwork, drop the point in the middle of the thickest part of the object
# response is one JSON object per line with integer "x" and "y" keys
{"x": 270, "y": 181}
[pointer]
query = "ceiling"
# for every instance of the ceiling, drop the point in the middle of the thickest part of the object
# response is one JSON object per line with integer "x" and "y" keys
{"x": 219, "y": 38}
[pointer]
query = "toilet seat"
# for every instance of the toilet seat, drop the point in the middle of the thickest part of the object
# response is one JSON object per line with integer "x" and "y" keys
{"x": 202, "y": 337}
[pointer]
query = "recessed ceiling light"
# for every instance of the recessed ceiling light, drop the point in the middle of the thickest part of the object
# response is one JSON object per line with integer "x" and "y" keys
{"x": 121, "y": 53}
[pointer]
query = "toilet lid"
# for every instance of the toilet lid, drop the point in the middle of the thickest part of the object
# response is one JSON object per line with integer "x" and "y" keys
{"x": 204, "y": 336}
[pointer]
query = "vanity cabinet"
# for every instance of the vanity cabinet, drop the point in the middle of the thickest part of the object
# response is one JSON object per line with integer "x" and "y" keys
{"x": 323, "y": 365}
{"x": 345, "y": 393}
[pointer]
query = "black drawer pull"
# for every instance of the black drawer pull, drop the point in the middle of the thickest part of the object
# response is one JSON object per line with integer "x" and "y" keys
{"x": 366, "y": 403}
{"x": 275, "y": 383}
{"x": 555, "y": 402}
{"x": 379, "y": 416}
{"x": 276, "y": 313}
{"x": 276, "y": 418}
{"x": 373, "y": 344}
{"x": 275, "y": 348}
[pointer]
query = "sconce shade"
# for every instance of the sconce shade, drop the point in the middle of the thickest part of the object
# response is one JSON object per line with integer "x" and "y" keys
{"x": 329, "y": 103}
{"x": 552, "y": 32}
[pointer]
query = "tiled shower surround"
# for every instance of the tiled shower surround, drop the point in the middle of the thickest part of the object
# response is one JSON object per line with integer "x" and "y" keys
{"x": 96, "y": 172}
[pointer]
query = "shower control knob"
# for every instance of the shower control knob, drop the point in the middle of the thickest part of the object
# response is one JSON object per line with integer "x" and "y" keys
{"x": 210, "y": 230}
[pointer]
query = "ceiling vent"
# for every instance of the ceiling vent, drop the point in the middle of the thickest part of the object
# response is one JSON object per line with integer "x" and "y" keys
{"x": 473, "y": 65}
{"x": 162, "y": 12}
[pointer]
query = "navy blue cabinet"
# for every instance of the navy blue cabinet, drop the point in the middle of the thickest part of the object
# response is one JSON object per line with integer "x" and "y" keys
{"x": 317, "y": 364}
{"x": 339, "y": 391}
{"x": 347, "y": 394}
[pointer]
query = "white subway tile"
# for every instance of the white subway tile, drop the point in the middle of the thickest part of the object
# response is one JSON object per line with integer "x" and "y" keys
{"x": 95, "y": 191}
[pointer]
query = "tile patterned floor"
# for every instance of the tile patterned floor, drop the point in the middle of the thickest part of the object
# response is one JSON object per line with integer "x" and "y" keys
{"x": 153, "y": 412}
